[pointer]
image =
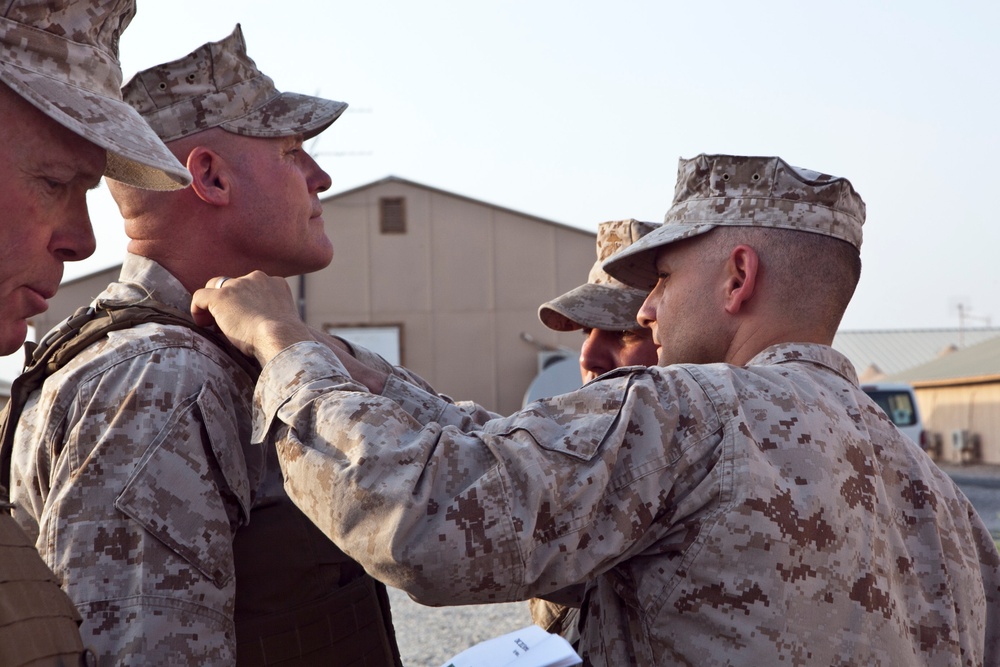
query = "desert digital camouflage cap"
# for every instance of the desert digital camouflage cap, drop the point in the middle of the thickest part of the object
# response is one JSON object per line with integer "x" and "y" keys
{"x": 738, "y": 191}
{"x": 218, "y": 85}
{"x": 603, "y": 302}
{"x": 62, "y": 57}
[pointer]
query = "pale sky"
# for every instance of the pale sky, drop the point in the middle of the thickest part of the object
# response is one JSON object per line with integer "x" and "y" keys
{"x": 577, "y": 111}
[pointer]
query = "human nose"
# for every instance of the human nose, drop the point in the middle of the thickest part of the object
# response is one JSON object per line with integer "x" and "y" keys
{"x": 646, "y": 316}
{"x": 319, "y": 180}
{"x": 73, "y": 236}
{"x": 594, "y": 357}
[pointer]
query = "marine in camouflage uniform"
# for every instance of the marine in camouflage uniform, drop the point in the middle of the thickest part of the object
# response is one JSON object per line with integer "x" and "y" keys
{"x": 605, "y": 309}
{"x": 760, "y": 511}
{"x": 62, "y": 124}
{"x": 130, "y": 474}
{"x": 133, "y": 467}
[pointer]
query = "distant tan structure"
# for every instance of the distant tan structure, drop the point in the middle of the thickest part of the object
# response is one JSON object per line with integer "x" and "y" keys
{"x": 959, "y": 398}
{"x": 443, "y": 283}
{"x": 955, "y": 374}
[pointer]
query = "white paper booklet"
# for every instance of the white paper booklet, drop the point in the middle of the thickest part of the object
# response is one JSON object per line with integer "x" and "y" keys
{"x": 527, "y": 647}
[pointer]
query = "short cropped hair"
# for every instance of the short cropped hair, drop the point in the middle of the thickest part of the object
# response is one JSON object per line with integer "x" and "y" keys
{"x": 813, "y": 275}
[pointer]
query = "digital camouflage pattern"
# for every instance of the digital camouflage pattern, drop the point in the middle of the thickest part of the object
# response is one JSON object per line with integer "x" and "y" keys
{"x": 603, "y": 302}
{"x": 132, "y": 472}
{"x": 739, "y": 191}
{"x": 760, "y": 515}
{"x": 219, "y": 85}
{"x": 62, "y": 56}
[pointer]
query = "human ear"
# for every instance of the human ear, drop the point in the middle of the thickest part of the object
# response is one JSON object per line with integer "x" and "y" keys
{"x": 210, "y": 176}
{"x": 741, "y": 277}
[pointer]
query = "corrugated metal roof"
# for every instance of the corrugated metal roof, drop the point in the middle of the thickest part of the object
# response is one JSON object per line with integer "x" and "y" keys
{"x": 979, "y": 362}
{"x": 888, "y": 353}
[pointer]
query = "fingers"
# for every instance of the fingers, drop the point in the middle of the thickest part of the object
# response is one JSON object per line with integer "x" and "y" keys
{"x": 218, "y": 281}
{"x": 201, "y": 308}
{"x": 206, "y": 301}
{"x": 209, "y": 305}
{"x": 256, "y": 312}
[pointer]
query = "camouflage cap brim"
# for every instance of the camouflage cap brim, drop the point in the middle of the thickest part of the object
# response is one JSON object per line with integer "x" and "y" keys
{"x": 636, "y": 265}
{"x": 288, "y": 114}
{"x": 40, "y": 74}
{"x": 592, "y": 306}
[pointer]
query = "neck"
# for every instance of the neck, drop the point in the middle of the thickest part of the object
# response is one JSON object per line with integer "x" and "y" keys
{"x": 749, "y": 342}
{"x": 190, "y": 270}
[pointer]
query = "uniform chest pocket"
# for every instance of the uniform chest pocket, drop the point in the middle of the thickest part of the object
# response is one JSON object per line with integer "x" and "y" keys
{"x": 176, "y": 493}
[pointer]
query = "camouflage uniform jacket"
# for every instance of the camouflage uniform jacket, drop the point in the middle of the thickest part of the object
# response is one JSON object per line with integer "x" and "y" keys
{"x": 131, "y": 470}
{"x": 762, "y": 515}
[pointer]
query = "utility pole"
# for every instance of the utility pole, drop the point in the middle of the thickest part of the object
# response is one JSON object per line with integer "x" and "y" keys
{"x": 963, "y": 315}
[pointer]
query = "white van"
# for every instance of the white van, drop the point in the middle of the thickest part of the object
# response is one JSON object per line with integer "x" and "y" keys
{"x": 898, "y": 401}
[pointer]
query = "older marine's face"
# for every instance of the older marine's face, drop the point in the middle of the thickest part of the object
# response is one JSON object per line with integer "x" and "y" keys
{"x": 45, "y": 172}
{"x": 605, "y": 350}
{"x": 685, "y": 310}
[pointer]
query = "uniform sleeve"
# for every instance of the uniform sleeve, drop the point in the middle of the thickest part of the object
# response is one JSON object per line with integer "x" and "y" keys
{"x": 425, "y": 406}
{"x": 481, "y": 514}
{"x": 148, "y": 484}
{"x": 378, "y": 362}
{"x": 417, "y": 396}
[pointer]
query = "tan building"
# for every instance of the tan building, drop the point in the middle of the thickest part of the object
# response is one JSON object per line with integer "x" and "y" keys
{"x": 446, "y": 285}
{"x": 955, "y": 375}
{"x": 959, "y": 399}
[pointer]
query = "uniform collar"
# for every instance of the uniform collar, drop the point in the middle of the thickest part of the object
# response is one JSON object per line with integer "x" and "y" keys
{"x": 813, "y": 353}
{"x": 143, "y": 279}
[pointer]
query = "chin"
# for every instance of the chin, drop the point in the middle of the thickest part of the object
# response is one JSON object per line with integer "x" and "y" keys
{"x": 322, "y": 258}
{"x": 12, "y": 336}
{"x": 299, "y": 266}
{"x": 316, "y": 265}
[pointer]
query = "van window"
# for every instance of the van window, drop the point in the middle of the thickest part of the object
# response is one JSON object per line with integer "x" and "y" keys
{"x": 897, "y": 404}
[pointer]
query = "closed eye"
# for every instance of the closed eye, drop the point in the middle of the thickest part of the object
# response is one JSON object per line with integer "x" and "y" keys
{"x": 52, "y": 185}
